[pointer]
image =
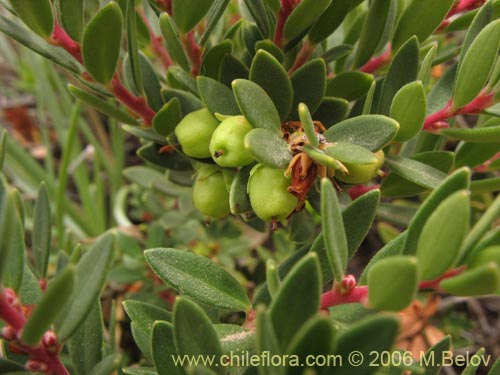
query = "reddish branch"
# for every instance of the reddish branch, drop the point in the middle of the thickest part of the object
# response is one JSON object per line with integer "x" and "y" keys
{"x": 135, "y": 103}
{"x": 157, "y": 43}
{"x": 349, "y": 292}
{"x": 302, "y": 56}
{"x": 287, "y": 6}
{"x": 165, "y": 5}
{"x": 44, "y": 357}
{"x": 60, "y": 38}
{"x": 438, "y": 119}
{"x": 465, "y": 5}
{"x": 194, "y": 52}
{"x": 359, "y": 190}
{"x": 375, "y": 63}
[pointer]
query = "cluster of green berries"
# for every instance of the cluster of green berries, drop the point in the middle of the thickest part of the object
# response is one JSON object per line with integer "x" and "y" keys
{"x": 202, "y": 136}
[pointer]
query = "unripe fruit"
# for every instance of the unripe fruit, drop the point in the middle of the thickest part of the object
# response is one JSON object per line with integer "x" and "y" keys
{"x": 227, "y": 147}
{"x": 210, "y": 195}
{"x": 194, "y": 133}
{"x": 268, "y": 192}
{"x": 361, "y": 173}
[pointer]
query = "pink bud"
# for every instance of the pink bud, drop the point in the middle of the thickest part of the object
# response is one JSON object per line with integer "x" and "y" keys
{"x": 9, "y": 333}
{"x": 49, "y": 340}
{"x": 349, "y": 282}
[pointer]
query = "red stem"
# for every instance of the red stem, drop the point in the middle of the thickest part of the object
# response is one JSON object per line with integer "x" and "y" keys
{"x": 287, "y": 6}
{"x": 478, "y": 104}
{"x": 375, "y": 63}
{"x": 302, "y": 56}
{"x": 135, "y": 103}
{"x": 194, "y": 52}
{"x": 359, "y": 190}
{"x": 465, "y": 5}
{"x": 60, "y": 38}
{"x": 157, "y": 43}
{"x": 15, "y": 319}
{"x": 434, "y": 284}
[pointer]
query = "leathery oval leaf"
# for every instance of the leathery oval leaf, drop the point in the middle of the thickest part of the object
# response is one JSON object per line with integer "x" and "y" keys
{"x": 268, "y": 148}
{"x": 197, "y": 277}
{"x": 71, "y": 13}
{"x": 475, "y": 135}
{"x": 217, "y": 97}
{"x": 372, "y": 132}
{"x": 309, "y": 84}
{"x": 408, "y": 108}
{"x": 475, "y": 282}
{"x": 41, "y": 237}
{"x": 392, "y": 283}
{"x": 269, "y": 74}
{"x": 173, "y": 41}
{"x": 303, "y": 17}
{"x": 36, "y": 14}
{"x": 239, "y": 201}
{"x": 102, "y": 42}
{"x": 163, "y": 349}
{"x": 49, "y": 306}
{"x": 349, "y": 85}
{"x": 476, "y": 65}
{"x": 442, "y": 235}
{"x": 187, "y": 13}
{"x": 333, "y": 230}
{"x": 415, "y": 171}
{"x": 194, "y": 333}
{"x": 302, "y": 285}
{"x": 256, "y": 105}
{"x": 351, "y": 153}
{"x": 167, "y": 118}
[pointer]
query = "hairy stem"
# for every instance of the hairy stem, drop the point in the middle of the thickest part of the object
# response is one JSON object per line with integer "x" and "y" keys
{"x": 60, "y": 38}
{"x": 157, "y": 43}
{"x": 375, "y": 63}
{"x": 193, "y": 51}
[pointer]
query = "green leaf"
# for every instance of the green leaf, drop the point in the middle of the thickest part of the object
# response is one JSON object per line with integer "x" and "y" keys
{"x": 416, "y": 172}
{"x": 173, "y": 43}
{"x": 433, "y": 358}
{"x": 101, "y": 105}
{"x": 391, "y": 249}
{"x": 3, "y": 148}
{"x": 302, "y": 285}
{"x": 408, "y": 108}
{"x": 314, "y": 339}
{"x": 167, "y": 118}
{"x": 133, "y": 46}
{"x": 256, "y": 105}
{"x": 163, "y": 349}
{"x": 267, "y": 340}
{"x": 475, "y": 282}
{"x": 102, "y": 42}
{"x": 459, "y": 180}
{"x": 495, "y": 369}
{"x": 214, "y": 15}
{"x": 239, "y": 201}
{"x": 308, "y": 125}
{"x": 143, "y": 316}
{"x": 273, "y": 280}
{"x": 403, "y": 70}
{"x": 107, "y": 366}
{"x": 349, "y": 85}
{"x": 337, "y": 52}
{"x": 187, "y": 13}
{"x": 331, "y": 111}
{"x": 269, "y": 74}
{"x": 189, "y": 102}
{"x": 11, "y": 367}
{"x": 426, "y": 66}
{"x": 474, "y": 363}
{"x": 258, "y": 12}
{"x": 30, "y": 292}
{"x": 477, "y": 135}
{"x": 36, "y": 14}
{"x": 373, "y": 30}
{"x": 321, "y": 157}
{"x": 476, "y": 66}
{"x": 49, "y": 306}
{"x": 231, "y": 68}
{"x": 394, "y": 185}
{"x": 442, "y": 90}
{"x": 217, "y": 97}
{"x": 309, "y": 84}
{"x": 358, "y": 219}
{"x": 151, "y": 83}
{"x": 90, "y": 276}
{"x": 39, "y": 45}
{"x": 194, "y": 333}
{"x": 333, "y": 230}
{"x": 85, "y": 346}
{"x": 71, "y": 15}
{"x": 235, "y": 338}
{"x": 198, "y": 278}
{"x": 420, "y": 18}
{"x": 330, "y": 20}
{"x": 488, "y": 185}
{"x": 480, "y": 228}
{"x": 372, "y": 335}
{"x": 12, "y": 251}
{"x": 372, "y": 132}
{"x": 350, "y": 153}
{"x": 213, "y": 58}
{"x": 305, "y": 14}
{"x": 42, "y": 228}
{"x": 392, "y": 283}
{"x": 442, "y": 235}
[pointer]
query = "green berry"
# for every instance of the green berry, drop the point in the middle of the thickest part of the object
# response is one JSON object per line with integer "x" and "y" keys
{"x": 227, "y": 144}
{"x": 268, "y": 192}
{"x": 194, "y": 133}
{"x": 361, "y": 173}
{"x": 210, "y": 195}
